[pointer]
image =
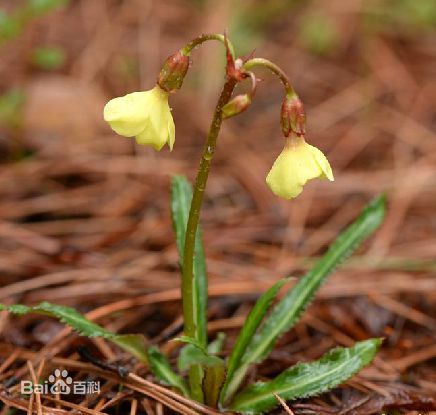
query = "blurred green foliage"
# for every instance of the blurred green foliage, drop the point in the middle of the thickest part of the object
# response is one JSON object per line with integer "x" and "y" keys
{"x": 11, "y": 106}
{"x": 249, "y": 20}
{"x": 318, "y": 33}
{"x": 48, "y": 58}
{"x": 13, "y": 24}
{"x": 38, "y": 7}
{"x": 9, "y": 27}
{"x": 401, "y": 16}
{"x": 317, "y": 30}
{"x": 419, "y": 14}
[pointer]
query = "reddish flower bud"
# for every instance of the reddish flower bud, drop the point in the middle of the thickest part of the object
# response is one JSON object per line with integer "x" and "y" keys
{"x": 293, "y": 117}
{"x": 236, "y": 105}
{"x": 173, "y": 72}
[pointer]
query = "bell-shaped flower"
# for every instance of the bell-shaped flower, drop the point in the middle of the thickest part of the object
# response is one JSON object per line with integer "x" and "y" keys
{"x": 144, "y": 115}
{"x": 296, "y": 164}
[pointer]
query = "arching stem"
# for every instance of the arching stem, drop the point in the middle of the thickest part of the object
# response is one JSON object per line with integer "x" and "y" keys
{"x": 206, "y": 37}
{"x": 265, "y": 63}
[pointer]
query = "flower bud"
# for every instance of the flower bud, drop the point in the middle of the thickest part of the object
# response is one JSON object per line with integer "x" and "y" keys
{"x": 293, "y": 117}
{"x": 173, "y": 72}
{"x": 236, "y": 105}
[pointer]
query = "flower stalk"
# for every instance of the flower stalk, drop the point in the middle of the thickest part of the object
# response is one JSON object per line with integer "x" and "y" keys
{"x": 265, "y": 63}
{"x": 195, "y": 375}
{"x": 187, "y": 49}
{"x": 293, "y": 116}
{"x": 197, "y": 201}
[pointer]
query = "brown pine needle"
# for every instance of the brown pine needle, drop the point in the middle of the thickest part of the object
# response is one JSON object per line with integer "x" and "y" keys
{"x": 284, "y": 404}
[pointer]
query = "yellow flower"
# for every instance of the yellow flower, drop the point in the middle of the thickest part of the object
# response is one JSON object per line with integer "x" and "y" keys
{"x": 296, "y": 164}
{"x": 145, "y": 115}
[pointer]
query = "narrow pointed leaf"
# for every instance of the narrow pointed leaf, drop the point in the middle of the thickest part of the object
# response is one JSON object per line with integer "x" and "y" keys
{"x": 307, "y": 379}
{"x": 214, "y": 347}
{"x": 245, "y": 336}
{"x": 212, "y": 384}
{"x": 180, "y": 204}
{"x": 196, "y": 377}
{"x": 133, "y": 343}
{"x": 161, "y": 368}
{"x": 287, "y": 312}
{"x": 189, "y": 340}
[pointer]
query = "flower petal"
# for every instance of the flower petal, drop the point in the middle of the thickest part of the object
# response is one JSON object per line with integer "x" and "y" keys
{"x": 298, "y": 163}
{"x": 171, "y": 133}
{"x": 283, "y": 178}
{"x": 161, "y": 121}
{"x": 324, "y": 164}
{"x": 128, "y": 115}
{"x": 152, "y": 137}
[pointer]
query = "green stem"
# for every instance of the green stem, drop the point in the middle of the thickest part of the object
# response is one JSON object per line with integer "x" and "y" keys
{"x": 265, "y": 63}
{"x": 204, "y": 38}
{"x": 190, "y": 329}
{"x": 194, "y": 213}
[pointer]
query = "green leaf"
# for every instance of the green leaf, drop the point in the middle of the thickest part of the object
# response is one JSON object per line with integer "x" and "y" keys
{"x": 189, "y": 340}
{"x": 213, "y": 381}
{"x": 287, "y": 312}
{"x": 196, "y": 376}
{"x": 191, "y": 355}
{"x": 133, "y": 343}
{"x": 161, "y": 368}
{"x": 216, "y": 346}
{"x": 307, "y": 379}
{"x": 245, "y": 336}
{"x": 180, "y": 204}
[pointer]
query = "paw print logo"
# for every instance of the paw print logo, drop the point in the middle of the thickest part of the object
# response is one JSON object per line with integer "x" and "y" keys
{"x": 60, "y": 382}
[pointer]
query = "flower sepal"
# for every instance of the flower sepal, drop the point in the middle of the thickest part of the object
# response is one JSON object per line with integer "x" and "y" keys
{"x": 293, "y": 116}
